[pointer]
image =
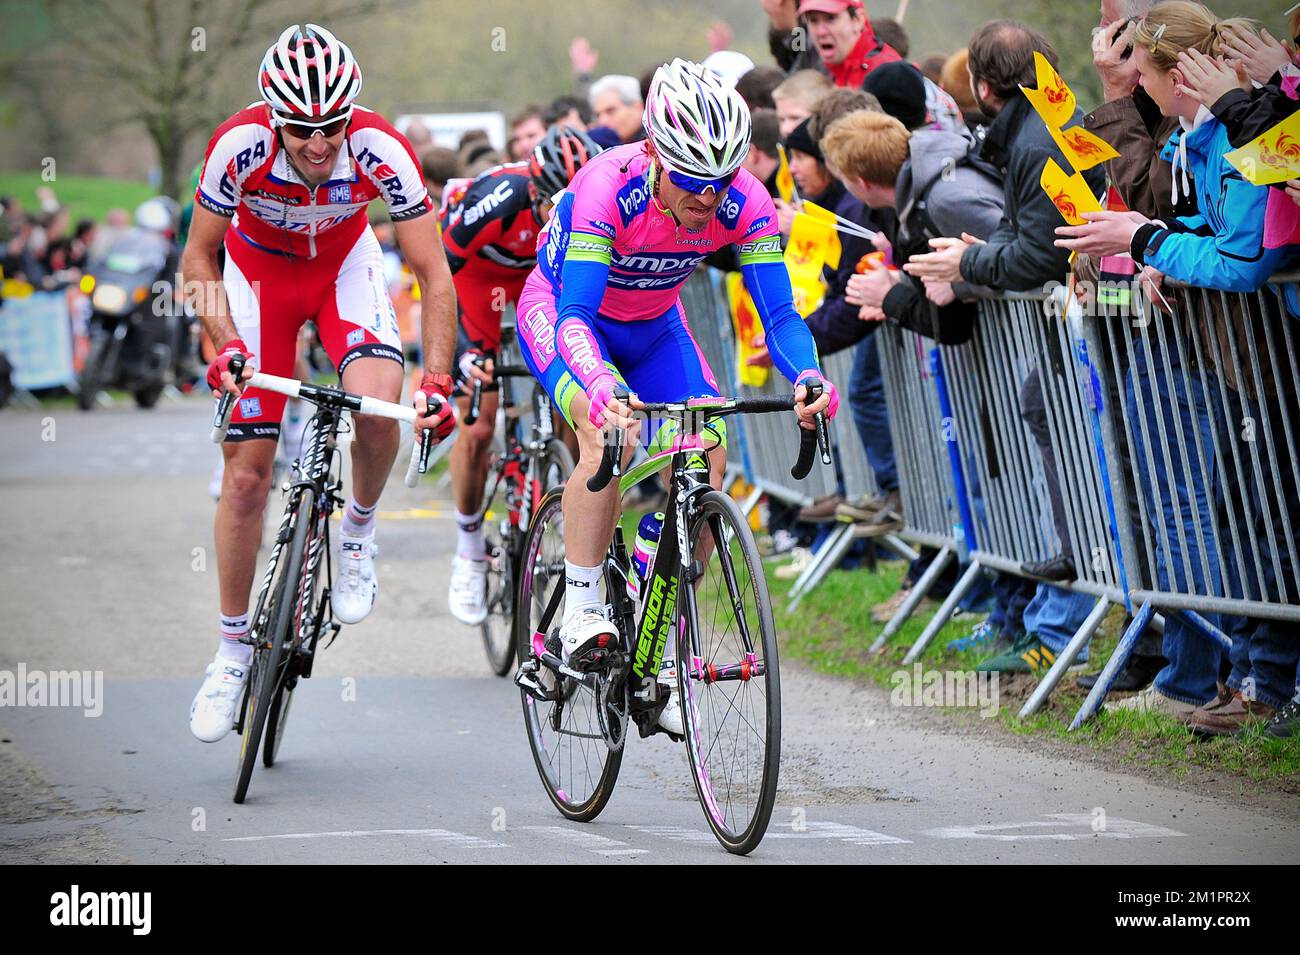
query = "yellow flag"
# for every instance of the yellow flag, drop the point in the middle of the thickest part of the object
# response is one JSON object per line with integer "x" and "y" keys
{"x": 1082, "y": 148}
{"x": 1053, "y": 100}
{"x": 747, "y": 327}
{"x": 784, "y": 178}
{"x": 1070, "y": 194}
{"x": 827, "y": 220}
{"x": 1272, "y": 157}
{"x": 805, "y": 254}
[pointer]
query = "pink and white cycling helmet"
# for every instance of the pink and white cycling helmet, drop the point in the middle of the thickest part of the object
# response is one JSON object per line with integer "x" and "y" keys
{"x": 698, "y": 123}
{"x": 308, "y": 74}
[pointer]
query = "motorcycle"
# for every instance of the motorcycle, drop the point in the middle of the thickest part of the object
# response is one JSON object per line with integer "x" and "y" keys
{"x": 131, "y": 346}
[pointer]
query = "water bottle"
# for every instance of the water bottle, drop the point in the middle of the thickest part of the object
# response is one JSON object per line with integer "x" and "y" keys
{"x": 643, "y": 552}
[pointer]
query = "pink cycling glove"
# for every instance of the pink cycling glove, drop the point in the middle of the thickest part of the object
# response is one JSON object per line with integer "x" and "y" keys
{"x": 813, "y": 375}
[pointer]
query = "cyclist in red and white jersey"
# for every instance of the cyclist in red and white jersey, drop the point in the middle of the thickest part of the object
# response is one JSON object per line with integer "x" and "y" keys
{"x": 284, "y": 188}
{"x": 490, "y": 234}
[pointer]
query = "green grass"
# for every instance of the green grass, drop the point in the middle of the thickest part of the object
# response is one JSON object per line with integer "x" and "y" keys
{"x": 832, "y": 630}
{"x": 85, "y": 196}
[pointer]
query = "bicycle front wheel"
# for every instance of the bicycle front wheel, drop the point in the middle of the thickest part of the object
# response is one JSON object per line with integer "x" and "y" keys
{"x": 729, "y": 678}
{"x": 270, "y": 656}
{"x": 577, "y": 768}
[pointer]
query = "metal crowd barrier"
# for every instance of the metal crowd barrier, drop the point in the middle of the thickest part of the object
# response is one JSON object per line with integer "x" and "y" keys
{"x": 1022, "y": 339}
{"x": 1176, "y": 439}
{"x": 1209, "y": 426}
{"x": 914, "y": 372}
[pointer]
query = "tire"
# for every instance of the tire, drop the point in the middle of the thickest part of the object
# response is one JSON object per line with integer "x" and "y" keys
{"x": 583, "y": 795}
{"x": 92, "y": 373}
{"x": 148, "y": 397}
{"x": 269, "y": 665}
{"x": 737, "y": 799}
{"x": 277, "y": 720}
{"x": 554, "y": 468}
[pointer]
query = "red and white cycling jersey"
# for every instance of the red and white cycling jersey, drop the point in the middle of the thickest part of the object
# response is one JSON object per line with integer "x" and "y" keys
{"x": 247, "y": 175}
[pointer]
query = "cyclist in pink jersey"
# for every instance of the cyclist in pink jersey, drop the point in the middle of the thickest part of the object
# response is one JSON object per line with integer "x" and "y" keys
{"x": 284, "y": 190}
{"x": 603, "y": 305}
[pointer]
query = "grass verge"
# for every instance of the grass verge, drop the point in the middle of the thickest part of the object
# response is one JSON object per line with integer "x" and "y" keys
{"x": 832, "y": 631}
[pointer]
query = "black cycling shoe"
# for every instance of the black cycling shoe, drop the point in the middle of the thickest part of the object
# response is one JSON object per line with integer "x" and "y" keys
{"x": 1136, "y": 675}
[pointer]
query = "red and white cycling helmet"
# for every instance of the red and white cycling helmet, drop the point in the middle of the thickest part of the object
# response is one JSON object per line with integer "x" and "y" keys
{"x": 698, "y": 123}
{"x": 308, "y": 74}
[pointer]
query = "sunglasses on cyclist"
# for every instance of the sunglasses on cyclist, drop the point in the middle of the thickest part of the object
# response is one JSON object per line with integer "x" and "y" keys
{"x": 697, "y": 185}
{"x": 326, "y": 127}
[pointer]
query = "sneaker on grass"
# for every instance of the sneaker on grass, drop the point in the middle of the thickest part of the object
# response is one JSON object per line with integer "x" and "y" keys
{"x": 1027, "y": 655}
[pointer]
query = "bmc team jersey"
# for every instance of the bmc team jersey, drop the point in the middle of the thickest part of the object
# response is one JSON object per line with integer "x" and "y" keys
{"x": 296, "y": 254}
{"x": 611, "y": 259}
{"x": 490, "y": 237}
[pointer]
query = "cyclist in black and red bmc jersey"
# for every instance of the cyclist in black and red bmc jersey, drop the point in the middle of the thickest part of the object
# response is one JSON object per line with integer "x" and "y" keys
{"x": 285, "y": 186}
{"x": 489, "y": 232}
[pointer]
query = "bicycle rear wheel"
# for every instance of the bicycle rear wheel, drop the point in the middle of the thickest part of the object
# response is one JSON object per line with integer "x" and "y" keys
{"x": 729, "y": 679}
{"x": 270, "y": 654}
{"x": 553, "y": 467}
{"x": 577, "y": 768}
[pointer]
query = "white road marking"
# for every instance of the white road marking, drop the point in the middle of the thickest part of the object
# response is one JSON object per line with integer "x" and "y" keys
{"x": 676, "y": 833}
{"x": 455, "y": 839}
{"x": 837, "y": 830}
{"x": 592, "y": 842}
{"x": 1111, "y": 828}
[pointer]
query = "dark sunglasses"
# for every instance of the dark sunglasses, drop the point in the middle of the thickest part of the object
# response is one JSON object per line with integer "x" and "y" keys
{"x": 308, "y": 130}
{"x": 698, "y": 186}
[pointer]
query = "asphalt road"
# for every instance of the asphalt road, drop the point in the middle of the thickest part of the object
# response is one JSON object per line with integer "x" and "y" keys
{"x": 403, "y": 748}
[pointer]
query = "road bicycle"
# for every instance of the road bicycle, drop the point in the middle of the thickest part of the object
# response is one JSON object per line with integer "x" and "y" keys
{"x": 292, "y": 619}
{"x": 705, "y": 595}
{"x": 529, "y": 463}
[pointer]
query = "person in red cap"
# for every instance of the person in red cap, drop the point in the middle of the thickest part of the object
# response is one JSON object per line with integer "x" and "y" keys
{"x": 846, "y": 47}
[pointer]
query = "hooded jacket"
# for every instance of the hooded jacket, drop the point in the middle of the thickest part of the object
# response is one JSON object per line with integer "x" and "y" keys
{"x": 942, "y": 189}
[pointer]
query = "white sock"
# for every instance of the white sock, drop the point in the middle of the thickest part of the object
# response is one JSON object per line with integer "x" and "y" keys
{"x": 469, "y": 537}
{"x": 232, "y": 629}
{"x": 581, "y": 589}
{"x": 359, "y": 521}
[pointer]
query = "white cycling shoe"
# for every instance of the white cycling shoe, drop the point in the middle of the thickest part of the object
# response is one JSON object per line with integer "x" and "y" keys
{"x": 583, "y": 633}
{"x": 213, "y": 711}
{"x": 356, "y": 587}
{"x": 467, "y": 592}
{"x": 670, "y": 718}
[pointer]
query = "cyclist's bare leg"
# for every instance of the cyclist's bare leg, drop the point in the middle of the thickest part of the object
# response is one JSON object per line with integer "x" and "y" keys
{"x": 238, "y": 525}
{"x": 469, "y": 455}
{"x": 375, "y": 440}
{"x": 589, "y": 518}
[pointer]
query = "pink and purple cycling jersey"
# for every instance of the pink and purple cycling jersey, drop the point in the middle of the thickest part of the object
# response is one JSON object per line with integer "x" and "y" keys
{"x": 612, "y": 251}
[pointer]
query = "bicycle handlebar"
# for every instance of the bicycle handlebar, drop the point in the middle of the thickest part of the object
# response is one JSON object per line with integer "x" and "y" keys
{"x": 810, "y": 440}
{"x": 611, "y": 460}
{"x": 318, "y": 395}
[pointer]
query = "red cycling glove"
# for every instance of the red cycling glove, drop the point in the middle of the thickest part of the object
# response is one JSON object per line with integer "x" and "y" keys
{"x": 221, "y": 363}
{"x": 436, "y": 391}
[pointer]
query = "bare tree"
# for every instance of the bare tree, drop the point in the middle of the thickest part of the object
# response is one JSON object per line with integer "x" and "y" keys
{"x": 155, "y": 62}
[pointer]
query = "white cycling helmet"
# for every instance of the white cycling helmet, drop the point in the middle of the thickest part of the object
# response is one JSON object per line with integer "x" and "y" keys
{"x": 697, "y": 121}
{"x": 307, "y": 74}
